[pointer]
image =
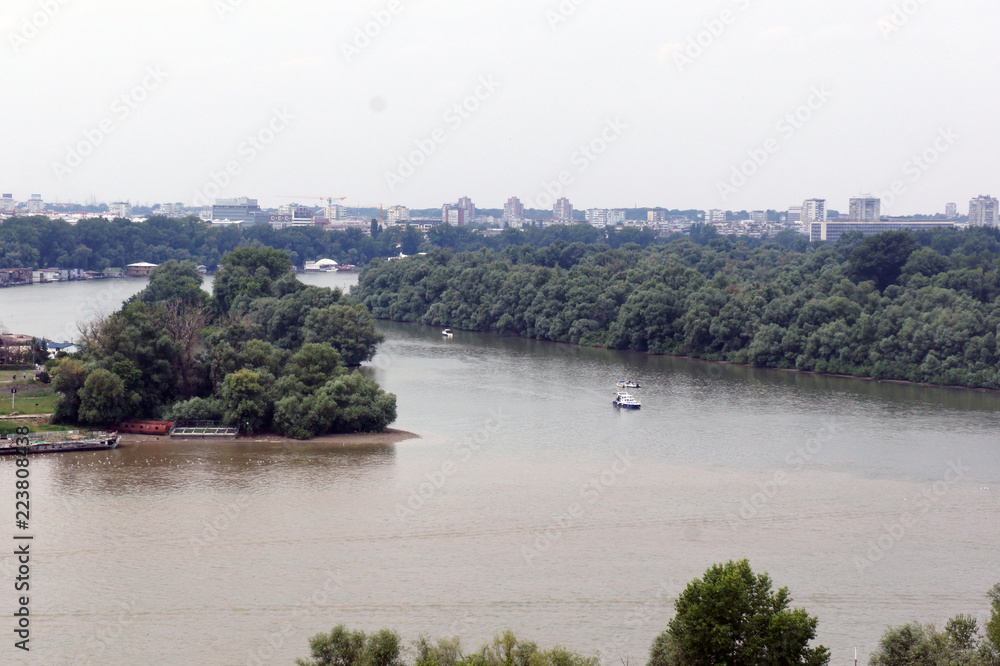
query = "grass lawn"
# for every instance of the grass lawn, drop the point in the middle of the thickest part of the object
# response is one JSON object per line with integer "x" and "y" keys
{"x": 39, "y": 402}
{"x": 9, "y": 428}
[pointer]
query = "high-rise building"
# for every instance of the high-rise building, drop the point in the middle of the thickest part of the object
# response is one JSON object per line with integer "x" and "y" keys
{"x": 172, "y": 209}
{"x": 866, "y": 209}
{"x": 951, "y": 210}
{"x": 597, "y": 217}
{"x": 606, "y": 217}
{"x": 758, "y": 217}
{"x": 563, "y": 210}
{"x": 513, "y": 210}
{"x": 239, "y": 210}
{"x": 656, "y": 216}
{"x": 465, "y": 203}
{"x": 813, "y": 210}
{"x": 453, "y": 215}
{"x": 794, "y": 215}
{"x": 715, "y": 216}
{"x": 122, "y": 209}
{"x": 35, "y": 204}
{"x": 397, "y": 214}
{"x": 984, "y": 212}
{"x": 7, "y": 204}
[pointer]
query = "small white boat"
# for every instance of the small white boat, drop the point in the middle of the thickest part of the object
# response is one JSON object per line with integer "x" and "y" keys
{"x": 627, "y": 384}
{"x": 626, "y": 400}
{"x": 447, "y": 333}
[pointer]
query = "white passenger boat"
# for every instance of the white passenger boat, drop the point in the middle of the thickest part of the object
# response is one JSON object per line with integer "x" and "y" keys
{"x": 447, "y": 333}
{"x": 626, "y": 400}
{"x": 628, "y": 385}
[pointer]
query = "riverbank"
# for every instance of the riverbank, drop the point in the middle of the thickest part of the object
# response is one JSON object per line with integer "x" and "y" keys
{"x": 717, "y": 363}
{"x": 345, "y": 441}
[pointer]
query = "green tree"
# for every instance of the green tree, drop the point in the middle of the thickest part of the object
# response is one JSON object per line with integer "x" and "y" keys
{"x": 993, "y": 625}
{"x": 68, "y": 377}
{"x": 349, "y": 327}
{"x": 102, "y": 399}
{"x": 195, "y": 409}
{"x": 731, "y": 616}
{"x": 342, "y": 647}
{"x": 881, "y": 257}
{"x": 174, "y": 280}
{"x": 249, "y": 272}
{"x": 915, "y": 644}
{"x": 244, "y": 401}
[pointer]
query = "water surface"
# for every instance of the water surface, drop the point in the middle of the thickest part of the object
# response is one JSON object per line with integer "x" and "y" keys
{"x": 530, "y": 503}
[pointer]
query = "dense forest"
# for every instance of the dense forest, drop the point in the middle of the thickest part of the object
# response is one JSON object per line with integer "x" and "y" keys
{"x": 98, "y": 243}
{"x": 263, "y": 353}
{"x": 921, "y": 307}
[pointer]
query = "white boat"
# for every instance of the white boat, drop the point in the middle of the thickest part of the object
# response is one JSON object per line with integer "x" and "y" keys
{"x": 447, "y": 333}
{"x": 626, "y": 400}
{"x": 627, "y": 384}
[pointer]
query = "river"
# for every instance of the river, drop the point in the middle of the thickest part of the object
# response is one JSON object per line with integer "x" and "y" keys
{"x": 529, "y": 503}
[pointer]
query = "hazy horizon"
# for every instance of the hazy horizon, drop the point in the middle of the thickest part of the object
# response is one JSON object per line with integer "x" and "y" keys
{"x": 739, "y": 105}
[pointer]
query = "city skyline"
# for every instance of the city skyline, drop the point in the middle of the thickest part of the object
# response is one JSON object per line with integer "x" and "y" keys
{"x": 872, "y": 205}
{"x": 393, "y": 102}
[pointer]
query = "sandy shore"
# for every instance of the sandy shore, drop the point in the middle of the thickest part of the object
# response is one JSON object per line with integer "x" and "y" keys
{"x": 357, "y": 440}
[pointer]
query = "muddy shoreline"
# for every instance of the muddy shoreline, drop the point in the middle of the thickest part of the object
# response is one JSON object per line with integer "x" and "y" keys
{"x": 350, "y": 441}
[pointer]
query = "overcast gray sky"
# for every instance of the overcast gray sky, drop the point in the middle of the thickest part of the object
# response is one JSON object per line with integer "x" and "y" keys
{"x": 670, "y": 98}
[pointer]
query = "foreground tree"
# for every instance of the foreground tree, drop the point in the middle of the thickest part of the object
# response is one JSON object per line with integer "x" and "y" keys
{"x": 342, "y": 647}
{"x": 732, "y": 617}
{"x": 960, "y": 644}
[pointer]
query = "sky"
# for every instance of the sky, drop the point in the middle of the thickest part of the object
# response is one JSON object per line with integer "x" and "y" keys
{"x": 734, "y": 104}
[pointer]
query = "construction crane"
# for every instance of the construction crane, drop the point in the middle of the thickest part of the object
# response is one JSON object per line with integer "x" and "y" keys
{"x": 381, "y": 212}
{"x": 329, "y": 203}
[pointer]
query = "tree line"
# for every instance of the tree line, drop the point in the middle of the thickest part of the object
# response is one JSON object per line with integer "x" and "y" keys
{"x": 264, "y": 352}
{"x": 100, "y": 243}
{"x": 921, "y": 307}
{"x": 731, "y": 616}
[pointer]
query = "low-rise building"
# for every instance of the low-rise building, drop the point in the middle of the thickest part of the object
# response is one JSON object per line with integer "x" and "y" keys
{"x": 42, "y": 275}
{"x": 832, "y": 230}
{"x": 141, "y": 269}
